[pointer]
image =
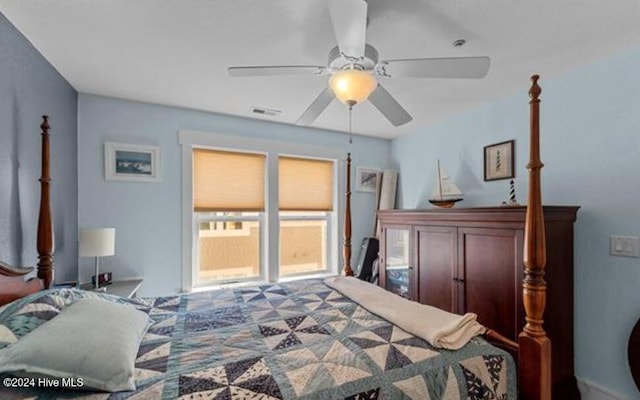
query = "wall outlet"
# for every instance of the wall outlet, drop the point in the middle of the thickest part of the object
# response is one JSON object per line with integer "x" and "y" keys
{"x": 626, "y": 246}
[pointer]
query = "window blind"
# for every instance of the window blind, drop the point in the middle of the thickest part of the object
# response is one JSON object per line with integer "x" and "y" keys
{"x": 305, "y": 184}
{"x": 228, "y": 181}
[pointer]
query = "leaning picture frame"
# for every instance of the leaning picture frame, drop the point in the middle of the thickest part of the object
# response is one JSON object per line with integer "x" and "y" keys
{"x": 131, "y": 162}
{"x": 499, "y": 161}
{"x": 367, "y": 179}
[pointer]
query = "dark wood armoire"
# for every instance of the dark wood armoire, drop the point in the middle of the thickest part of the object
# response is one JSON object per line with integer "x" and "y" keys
{"x": 471, "y": 260}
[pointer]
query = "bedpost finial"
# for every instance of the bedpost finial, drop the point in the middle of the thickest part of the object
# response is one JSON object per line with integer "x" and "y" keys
{"x": 45, "y": 124}
{"x": 535, "y": 90}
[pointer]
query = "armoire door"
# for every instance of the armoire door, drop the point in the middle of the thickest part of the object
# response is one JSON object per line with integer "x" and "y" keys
{"x": 397, "y": 274}
{"x": 490, "y": 272}
{"x": 436, "y": 259}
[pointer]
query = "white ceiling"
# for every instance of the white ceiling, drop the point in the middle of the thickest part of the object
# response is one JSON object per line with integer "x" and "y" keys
{"x": 176, "y": 52}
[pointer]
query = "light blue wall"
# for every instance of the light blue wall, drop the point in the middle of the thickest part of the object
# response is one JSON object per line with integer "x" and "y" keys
{"x": 29, "y": 88}
{"x": 590, "y": 144}
{"x": 147, "y": 216}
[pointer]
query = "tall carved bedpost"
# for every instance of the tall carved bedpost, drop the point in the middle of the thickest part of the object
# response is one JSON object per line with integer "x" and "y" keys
{"x": 535, "y": 346}
{"x": 45, "y": 226}
{"x": 347, "y": 222}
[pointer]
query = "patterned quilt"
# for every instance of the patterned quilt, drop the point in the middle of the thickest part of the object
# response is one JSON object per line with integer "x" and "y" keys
{"x": 277, "y": 341}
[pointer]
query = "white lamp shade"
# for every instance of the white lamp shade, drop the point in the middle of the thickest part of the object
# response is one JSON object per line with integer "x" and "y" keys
{"x": 97, "y": 242}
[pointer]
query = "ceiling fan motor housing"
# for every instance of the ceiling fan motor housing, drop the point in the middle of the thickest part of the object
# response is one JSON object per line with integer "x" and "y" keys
{"x": 338, "y": 62}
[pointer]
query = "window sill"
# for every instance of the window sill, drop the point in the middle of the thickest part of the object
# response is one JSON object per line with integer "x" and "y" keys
{"x": 259, "y": 282}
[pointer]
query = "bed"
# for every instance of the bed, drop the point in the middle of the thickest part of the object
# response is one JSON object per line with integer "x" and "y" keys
{"x": 633, "y": 353}
{"x": 303, "y": 339}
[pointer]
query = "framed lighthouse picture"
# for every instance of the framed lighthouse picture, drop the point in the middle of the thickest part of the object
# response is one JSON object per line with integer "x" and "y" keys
{"x": 499, "y": 161}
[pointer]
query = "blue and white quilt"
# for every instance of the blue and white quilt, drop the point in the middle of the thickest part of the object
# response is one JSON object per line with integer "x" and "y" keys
{"x": 296, "y": 340}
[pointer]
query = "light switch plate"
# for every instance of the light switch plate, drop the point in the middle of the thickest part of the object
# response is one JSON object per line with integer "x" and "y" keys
{"x": 625, "y": 246}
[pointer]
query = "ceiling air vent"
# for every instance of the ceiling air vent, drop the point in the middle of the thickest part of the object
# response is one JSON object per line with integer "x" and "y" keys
{"x": 264, "y": 111}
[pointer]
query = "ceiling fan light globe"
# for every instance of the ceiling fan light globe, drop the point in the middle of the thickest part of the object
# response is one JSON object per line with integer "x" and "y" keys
{"x": 352, "y": 86}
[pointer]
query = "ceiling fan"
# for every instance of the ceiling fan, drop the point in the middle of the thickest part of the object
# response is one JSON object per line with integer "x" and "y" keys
{"x": 354, "y": 66}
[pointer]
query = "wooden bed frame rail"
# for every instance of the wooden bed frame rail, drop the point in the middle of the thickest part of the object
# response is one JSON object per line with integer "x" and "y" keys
{"x": 533, "y": 347}
{"x": 12, "y": 284}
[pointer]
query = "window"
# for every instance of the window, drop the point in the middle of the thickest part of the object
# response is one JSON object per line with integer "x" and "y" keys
{"x": 228, "y": 205}
{"x": 243, "y": 229}
{"x": 303, "y": 243}
{"x": 305, "y": 204}
{"x": 227, "y": 181}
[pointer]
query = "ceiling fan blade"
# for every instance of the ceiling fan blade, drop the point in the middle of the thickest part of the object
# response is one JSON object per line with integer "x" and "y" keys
{"x": 349, "y": 18}
{"x": 459, "y": 67}
{"x": 317, "y": 107}
{"x": 277, "y": 70}
{"x": 389, "y": 107}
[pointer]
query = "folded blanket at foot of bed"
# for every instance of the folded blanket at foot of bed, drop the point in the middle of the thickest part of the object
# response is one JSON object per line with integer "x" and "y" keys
{"x": 440, "y": 328}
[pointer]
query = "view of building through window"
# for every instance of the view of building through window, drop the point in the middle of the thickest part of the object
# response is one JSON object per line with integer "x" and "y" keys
{"x": 303, "y": 245}
{"x": 228, "y": 250}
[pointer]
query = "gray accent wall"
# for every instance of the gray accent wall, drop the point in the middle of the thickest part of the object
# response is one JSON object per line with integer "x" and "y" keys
{"x": 590, "y": 141}
{"x": 29, "y": 88}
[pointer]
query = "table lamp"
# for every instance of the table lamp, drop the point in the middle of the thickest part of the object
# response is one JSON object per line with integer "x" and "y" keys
{"x": 97, "y": 242}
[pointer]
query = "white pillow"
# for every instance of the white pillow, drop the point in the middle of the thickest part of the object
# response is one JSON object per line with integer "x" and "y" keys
{"x": 92, "y": 339}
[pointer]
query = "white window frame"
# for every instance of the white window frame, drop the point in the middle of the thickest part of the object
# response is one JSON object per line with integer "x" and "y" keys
{"x": 270, "y": 225}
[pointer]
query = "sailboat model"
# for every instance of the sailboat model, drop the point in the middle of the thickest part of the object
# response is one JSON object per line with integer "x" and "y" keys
{"x": 446, "y": 193}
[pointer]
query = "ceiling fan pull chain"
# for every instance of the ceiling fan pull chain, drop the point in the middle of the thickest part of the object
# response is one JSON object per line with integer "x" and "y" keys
{"x": 350, "y": 130}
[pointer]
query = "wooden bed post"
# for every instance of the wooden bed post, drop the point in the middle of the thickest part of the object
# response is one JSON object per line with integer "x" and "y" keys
{"x": 45, "y": 226}
{"x": 346, "y": 251}
{"x": 534, "y": 345}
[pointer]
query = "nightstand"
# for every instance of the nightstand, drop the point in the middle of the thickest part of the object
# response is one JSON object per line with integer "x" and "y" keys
{"x": 125, "y": 288}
